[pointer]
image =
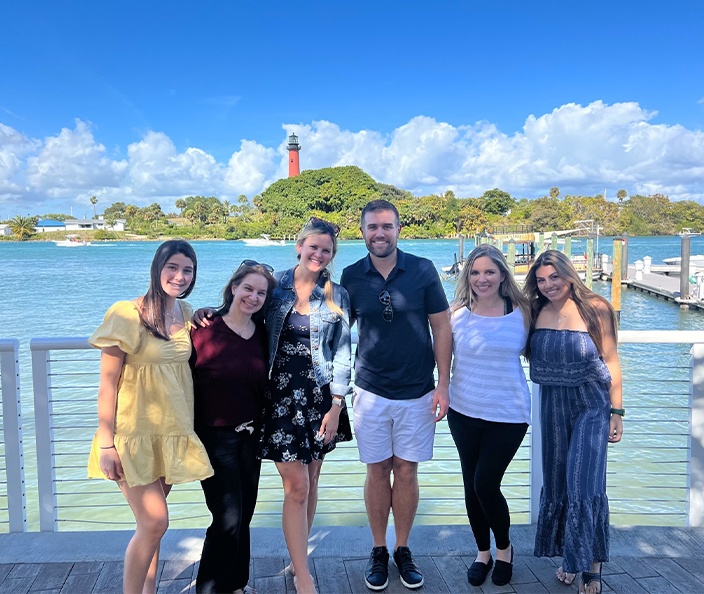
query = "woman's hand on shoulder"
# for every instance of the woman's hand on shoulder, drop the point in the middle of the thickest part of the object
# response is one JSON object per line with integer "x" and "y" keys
{"x": 203, "y": 317}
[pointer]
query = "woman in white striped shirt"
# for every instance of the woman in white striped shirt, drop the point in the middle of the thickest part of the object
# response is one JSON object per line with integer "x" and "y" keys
{"x": 489, "y": 399}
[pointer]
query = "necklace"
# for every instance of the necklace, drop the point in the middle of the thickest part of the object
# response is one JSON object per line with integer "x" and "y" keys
{"x": 234, "y": 328}
{"x": 171, "y": 315}
{"x": 561, "y": 317}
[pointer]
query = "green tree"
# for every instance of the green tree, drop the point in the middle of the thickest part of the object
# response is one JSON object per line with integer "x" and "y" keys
{"x": 648, "y": 215}
{"x": 23, "y": 227}
{"x": 181, "y": 204}
{"x": 554, "y": 192}
{"x": 497, "y": 202}
{"x": 117, "y": 210}
{"x": 621, "y": 195}
{"x": 94, "y": 201}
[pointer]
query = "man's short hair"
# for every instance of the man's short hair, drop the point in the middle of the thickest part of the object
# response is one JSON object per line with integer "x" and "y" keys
{"x": 375, "y": 205}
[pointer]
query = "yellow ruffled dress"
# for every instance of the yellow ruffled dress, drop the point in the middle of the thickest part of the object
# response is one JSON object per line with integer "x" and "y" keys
{"x": 154, "y": 434}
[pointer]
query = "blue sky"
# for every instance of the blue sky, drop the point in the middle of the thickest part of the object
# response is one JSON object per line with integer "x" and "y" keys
{"x": 152, "y": 101}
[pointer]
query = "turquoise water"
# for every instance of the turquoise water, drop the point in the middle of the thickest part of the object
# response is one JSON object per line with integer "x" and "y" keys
{"x": 49, "y": 291}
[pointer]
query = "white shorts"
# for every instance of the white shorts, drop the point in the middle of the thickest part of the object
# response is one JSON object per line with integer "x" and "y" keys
{"x": 385, "y": 428}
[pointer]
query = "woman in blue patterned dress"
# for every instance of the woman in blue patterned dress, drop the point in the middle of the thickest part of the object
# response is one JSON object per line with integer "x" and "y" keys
{"x": 310, "y": 366}
{"x": 573, "y": 357}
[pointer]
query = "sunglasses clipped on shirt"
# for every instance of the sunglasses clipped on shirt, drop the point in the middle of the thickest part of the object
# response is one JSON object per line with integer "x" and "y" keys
{"x": 317, "y": 223}
{"x": 253, "y": 263}
{"x": 385, "y": 299}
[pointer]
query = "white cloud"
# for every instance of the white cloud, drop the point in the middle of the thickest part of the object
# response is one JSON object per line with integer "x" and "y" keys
{"x": 251, "y": 169}
{"x": 157, "y": 169}
{"x": 580, "y": 149}
{"x": 73, "y": 161}
{"x": 14, "y": 146}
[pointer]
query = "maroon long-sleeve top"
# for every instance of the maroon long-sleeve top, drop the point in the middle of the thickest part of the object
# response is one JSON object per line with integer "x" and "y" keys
{"x": 229, "y": 375}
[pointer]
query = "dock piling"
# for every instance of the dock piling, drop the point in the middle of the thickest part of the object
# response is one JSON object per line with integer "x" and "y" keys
{"x": 616, "y": 275}
{"x": 685, "y": 252}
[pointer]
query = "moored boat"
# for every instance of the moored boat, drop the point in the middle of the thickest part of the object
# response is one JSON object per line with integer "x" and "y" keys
{"x": 72, "y": 241}
{"x": 263, "y": 240}
{"x": 695, "y": 260}
{"x": 687, "y": 232}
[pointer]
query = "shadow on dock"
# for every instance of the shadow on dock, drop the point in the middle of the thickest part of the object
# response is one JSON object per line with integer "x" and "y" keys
{"x": 643, "y": 559}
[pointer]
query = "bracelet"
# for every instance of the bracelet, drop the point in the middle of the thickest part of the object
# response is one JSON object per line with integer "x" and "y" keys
{"x": 108, "y": 447}
{"x": 618, "y": 411}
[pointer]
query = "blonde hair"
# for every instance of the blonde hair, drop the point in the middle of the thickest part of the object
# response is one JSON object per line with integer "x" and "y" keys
{"x": 314, "y": 227}
{"x": 508, "y": 289}
{"x": 584, "y": 298}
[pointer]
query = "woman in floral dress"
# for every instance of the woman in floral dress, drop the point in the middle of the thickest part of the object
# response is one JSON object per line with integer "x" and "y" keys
{"x": 310, "y": 359}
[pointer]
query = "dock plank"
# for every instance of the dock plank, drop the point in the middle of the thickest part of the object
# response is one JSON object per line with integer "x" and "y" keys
{"x": 52, "y": 576}
{"x": 110, "y": 578}
{"x": 80, "y": 583}
{"x": 331, "y": 575}
{"x": 16, "y": 585}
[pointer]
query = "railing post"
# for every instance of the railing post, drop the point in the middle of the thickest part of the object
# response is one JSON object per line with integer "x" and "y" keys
{"x": 12, "y": 435}
{"x": 696, "y": 463}
{"x": 46, "y": 476}
{"x": 536, "y": 455}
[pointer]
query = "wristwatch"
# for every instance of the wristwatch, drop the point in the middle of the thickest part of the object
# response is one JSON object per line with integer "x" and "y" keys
{"x": 337, "y": 400}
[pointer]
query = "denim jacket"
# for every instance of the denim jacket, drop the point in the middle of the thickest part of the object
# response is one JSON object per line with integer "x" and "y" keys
{"x": 330, "y": 339}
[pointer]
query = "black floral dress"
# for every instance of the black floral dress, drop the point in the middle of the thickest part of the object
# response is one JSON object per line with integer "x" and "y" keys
{"x": 295, "y": 404}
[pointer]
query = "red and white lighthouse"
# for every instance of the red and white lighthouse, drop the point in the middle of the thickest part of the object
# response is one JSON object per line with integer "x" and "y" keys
{"x": 294, "y": 167}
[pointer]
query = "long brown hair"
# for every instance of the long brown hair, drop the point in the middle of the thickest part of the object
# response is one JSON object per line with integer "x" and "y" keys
{"x": 152, "y": 311}
{"x": 316, "y": 226}
{"x": 508, "y": 289}
{"x": 584, "y": 298}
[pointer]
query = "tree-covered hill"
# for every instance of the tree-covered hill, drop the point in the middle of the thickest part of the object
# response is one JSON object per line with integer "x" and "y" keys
{"x": 338, "y": 195}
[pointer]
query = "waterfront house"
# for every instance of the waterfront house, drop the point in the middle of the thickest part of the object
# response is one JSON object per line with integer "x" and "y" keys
{"x": 46, "y": 225}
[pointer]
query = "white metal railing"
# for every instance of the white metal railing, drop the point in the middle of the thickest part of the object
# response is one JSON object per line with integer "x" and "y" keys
{"x": 14, "y": 513}
{"x": 664, "y": 437}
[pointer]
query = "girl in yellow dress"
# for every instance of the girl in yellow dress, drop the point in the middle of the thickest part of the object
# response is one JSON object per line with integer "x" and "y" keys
{"x": 145, "y": 439}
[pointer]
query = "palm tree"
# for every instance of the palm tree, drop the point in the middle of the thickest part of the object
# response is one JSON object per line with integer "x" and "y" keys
{"x": 621, "y": 195}
{"x": 181, "y": 204}
{"x": 94, "y": 201}
{"x": 23, "y": 227}
{"x": 554, "y": 192}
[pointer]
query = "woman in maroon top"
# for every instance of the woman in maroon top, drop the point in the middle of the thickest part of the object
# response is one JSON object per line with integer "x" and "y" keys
{"x": 229, "y": 363}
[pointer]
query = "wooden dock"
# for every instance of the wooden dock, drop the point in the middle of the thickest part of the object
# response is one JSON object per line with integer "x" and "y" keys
{"x": 658, "y": 284}
{"x": 643, "y": 559}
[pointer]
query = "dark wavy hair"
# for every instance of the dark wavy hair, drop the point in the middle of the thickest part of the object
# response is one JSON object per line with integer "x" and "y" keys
{"x": 236, "y": 278}
{"x": 584, "y": 298}
{"x": 153, "y": 309}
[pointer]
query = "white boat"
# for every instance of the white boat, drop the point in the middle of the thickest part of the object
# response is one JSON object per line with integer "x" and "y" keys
{"x": 72, "y": 241}
{"x": 263, "y": 240}
{"x": 697, "y": 261}
{"x": 687, "y": 232}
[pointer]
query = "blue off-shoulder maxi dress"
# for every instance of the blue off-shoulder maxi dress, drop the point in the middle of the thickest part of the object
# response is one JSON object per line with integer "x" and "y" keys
{"x": 575, "y": 409}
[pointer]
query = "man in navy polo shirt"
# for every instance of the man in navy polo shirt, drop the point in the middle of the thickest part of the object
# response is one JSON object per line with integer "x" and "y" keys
{"x": 396, "y": 299}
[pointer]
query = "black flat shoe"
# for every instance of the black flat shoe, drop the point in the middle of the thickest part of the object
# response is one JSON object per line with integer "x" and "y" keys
{"x": 503, "y": 572}
{"x": 477, "y": 572}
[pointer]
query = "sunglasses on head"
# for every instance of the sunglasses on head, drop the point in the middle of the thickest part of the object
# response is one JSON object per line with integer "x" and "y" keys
{"x": 317, "y": 223}
{"x": 253, "y": 263}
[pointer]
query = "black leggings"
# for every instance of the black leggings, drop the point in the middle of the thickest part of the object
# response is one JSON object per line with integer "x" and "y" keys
{"x": 486, "y": 448}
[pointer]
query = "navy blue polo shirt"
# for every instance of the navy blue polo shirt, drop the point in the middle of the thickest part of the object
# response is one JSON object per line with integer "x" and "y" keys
{"x": 395, "y": 359}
